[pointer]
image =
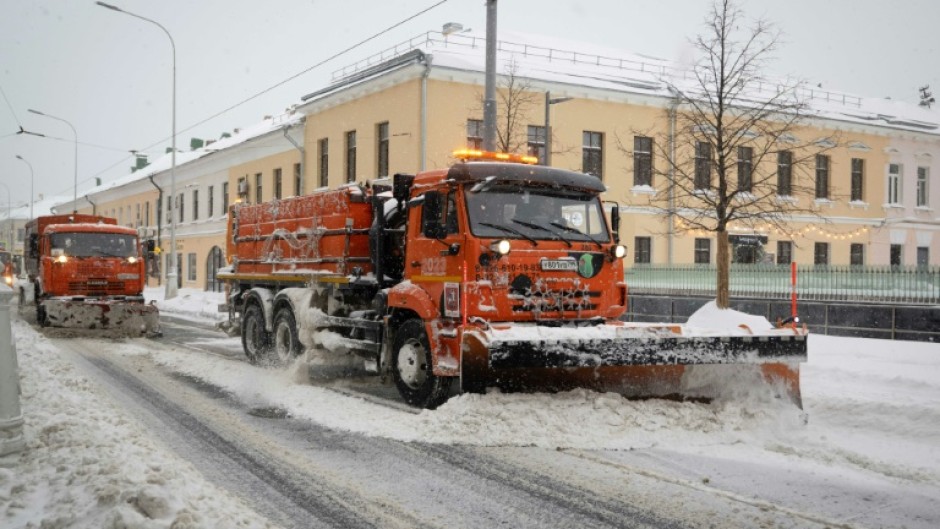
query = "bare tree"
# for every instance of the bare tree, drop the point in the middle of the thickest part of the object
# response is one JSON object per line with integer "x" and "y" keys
{"x": 733, "y": 154}
{"x": 515, "y": 102}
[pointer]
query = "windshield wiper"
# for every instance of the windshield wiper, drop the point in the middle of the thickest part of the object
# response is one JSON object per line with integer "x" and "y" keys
{"x": 579, "y": 232}
{"x": 543, "y": 228}
{"x": 507, "y": 229}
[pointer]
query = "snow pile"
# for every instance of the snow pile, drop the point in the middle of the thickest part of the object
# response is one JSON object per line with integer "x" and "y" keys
{"x": 190, "y": 303}
{"x": 709, "y": 318}
{"x": 88, "y": 464}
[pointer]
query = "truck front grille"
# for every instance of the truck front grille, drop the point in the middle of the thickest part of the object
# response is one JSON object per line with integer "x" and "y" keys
{"x": 95, "y": 287}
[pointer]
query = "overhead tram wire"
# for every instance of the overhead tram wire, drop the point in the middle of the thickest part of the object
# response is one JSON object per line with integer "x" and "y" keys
{"x": 281, "y": 83}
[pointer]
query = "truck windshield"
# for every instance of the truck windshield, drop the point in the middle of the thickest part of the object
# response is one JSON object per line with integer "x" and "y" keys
{"x": 93, "y": 244}
{"x": 536, "y": 213}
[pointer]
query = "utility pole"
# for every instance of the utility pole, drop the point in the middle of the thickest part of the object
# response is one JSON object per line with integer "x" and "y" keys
{"x": 489, "y": 102}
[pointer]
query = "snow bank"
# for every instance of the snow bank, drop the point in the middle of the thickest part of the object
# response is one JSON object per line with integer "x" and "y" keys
{"x": 710, "y": 318}
{"x": 190, "y": 303}
{"x": 89, "y": 465}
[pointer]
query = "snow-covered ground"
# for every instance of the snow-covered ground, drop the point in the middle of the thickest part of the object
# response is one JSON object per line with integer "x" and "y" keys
{"x": 872, "y": 414}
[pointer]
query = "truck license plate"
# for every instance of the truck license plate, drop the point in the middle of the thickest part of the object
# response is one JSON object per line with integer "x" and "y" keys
{"x": 560, "y": 265}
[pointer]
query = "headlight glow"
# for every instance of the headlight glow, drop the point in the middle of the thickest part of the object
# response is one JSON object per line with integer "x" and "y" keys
{"x": 503, "y": 247}
{"x": 132, "y": 259}
{"x": 62, "y": 259}
{"x": 620, "y": 251}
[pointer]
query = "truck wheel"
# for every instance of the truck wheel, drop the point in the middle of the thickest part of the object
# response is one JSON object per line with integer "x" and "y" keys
{"x": 255, "y": 340}
{"x": 286, "y": 340}
{"x": 411, "y": 366}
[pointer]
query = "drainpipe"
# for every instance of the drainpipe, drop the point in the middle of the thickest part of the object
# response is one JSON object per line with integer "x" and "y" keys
{"x": 159, "y": 215}
{"x": 94, "y": 207}
{"x": 303, "y": 156}
{"x": 670, "y": 240}
{"x": 424, "y": 111}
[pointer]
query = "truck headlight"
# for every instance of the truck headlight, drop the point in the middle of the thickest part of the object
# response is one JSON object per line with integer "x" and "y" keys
{"x": 502, "y": 247}
{"x": 132, "y": 259}
{"x": 619, "y": 251}
{"x": 62, "y": 259}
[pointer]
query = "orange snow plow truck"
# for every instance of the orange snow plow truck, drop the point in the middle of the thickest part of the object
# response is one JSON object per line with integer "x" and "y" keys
{"x": 492, "y": 272}
{"x": 86, "y": 272}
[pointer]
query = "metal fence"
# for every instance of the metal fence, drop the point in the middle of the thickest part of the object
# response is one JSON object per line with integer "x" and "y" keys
{"x": 874, "y": 284}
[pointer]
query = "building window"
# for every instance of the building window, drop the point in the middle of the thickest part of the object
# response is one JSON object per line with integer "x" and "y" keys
{"x": 159, "y": 209}
{"x": 822, "y": 176}
{"x": 258, "y": 193}
{"x": 147, "y": 214}
{"x": 277, "y": 183}
{"x": 20, "y": 234}
{"x": 297, "y": 180}
{"x": 894, "y": 183}
{"x": 642, "y": 247}
{"x": 382, "y": 135}
{"x": 179, "y": 207}
{"x": 351, "y": 156}
{"x": 703, "y": 165}
{"x": 537, "y": 142}
{"x": 784, "y": 252}
{"x": 211, "y": 201}
{"x": 592, "y": 153}
{"x": 475, "y": 134}
{"x": 897, "y": 251}
{"x": 323, "y": 167}
{"x": 923, "y": 179}
{"x": 243, "y": 189}
{"x": 785, "y": 173}
{"x": 857, "y": 254}
{"x": 642, "y": 161}
{"x": 821, "y": 253}
{"x": 858, "y": 180}
{"x": 745, "y": 169}
{"x": 703, "y": 251}
{"x": 923, "y": 256}
{"x": 225, "y": 198}
{"x": 191, "y": 266}
{"x": 195, "y": 204}
{"x": 137, "y": 214}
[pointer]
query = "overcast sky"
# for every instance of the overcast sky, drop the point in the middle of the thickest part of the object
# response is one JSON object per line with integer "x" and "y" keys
{"x": 110, "y": 74}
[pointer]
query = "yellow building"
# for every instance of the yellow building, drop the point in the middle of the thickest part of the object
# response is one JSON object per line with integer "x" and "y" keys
{"x": 407, "y": 109}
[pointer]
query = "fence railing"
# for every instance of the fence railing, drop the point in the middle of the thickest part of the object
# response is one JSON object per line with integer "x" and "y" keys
{"x": 870, "y": 284}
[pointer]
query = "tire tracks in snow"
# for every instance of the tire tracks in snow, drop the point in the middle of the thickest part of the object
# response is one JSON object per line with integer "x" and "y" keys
{"x": 269, "y": 481}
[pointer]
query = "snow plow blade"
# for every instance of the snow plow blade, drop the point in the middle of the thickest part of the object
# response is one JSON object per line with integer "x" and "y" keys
{"x": 125, "y": 317}
{"x": 636, "y": 361}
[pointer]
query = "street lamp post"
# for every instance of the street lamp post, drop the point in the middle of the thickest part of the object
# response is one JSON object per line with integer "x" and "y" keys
{"x": 171, "y": 276}
{"x": 548, "y": 124}
{"x": 9, "y": 209}
{"x": 75, "y": 134}
{"x": 31, "y": 182}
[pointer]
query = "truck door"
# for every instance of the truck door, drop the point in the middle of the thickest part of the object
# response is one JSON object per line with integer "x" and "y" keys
{"x": 435, "y": 252}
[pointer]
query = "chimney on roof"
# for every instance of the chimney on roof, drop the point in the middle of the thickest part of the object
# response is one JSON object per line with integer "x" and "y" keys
{"x": 140, "y": 161}
{"x": 225, "y": 135}
{"x": 209, "y": 142}
{"x": 267, "y": 117}
{"x": 196, "y": 143}
{"x": 452, "y": 27}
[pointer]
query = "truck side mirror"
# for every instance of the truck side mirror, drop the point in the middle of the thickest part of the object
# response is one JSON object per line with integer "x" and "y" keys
{"x": 431, "y": 225}
{"x": 150, "y": 245}
{"x": 33, "y": 247}
{"x": 615, "y": 222}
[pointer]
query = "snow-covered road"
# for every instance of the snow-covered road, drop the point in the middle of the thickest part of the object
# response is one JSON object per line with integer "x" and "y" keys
{"x": 153, "y": 434}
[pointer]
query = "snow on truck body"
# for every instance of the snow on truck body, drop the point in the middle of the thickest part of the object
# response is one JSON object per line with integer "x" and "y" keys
{"x": 85, "y": 271}
{"x": 489, "y": 273}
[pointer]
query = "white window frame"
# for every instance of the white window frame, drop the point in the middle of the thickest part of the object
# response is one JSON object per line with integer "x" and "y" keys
{"x": 923, "y": 187}
{"x": 894, "y": 179}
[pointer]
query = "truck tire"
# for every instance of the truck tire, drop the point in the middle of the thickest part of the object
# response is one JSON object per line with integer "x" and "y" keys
{"x": 286, "y": 339}
{"x": 256, "y": 341}
{"x": 411, "y": 366}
